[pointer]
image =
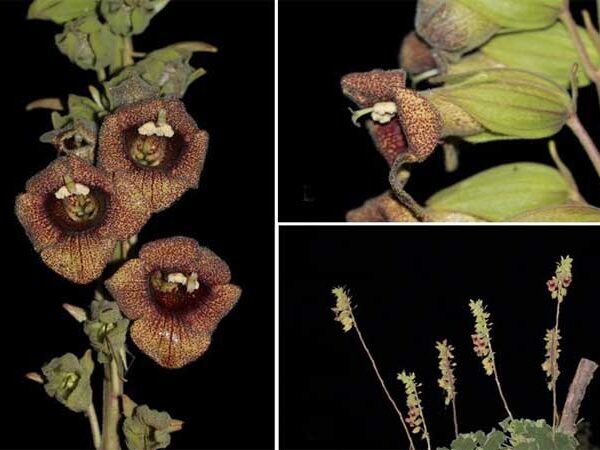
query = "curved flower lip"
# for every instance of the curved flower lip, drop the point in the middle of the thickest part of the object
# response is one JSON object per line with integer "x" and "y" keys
{"x": 417, "y": 127}
{"x": 164, "y": 184}
{"x": 174, "y": 327}
{"x": 79, "y": 253}
{"x": 383, "y": 208}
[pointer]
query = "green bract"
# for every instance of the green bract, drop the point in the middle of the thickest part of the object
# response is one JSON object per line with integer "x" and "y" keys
{"x": 504, "y": 191}
{"x": 90, "y": 44}
{"x": 129, "y": 17}
{"x": 68, "y": 380}
{"x": 147, "y": 429}
{"x": 61, "y": 11}
{"x": 507, "y": 103}
{"x": 518, "y": 14}
{"x": 564, "y": 213}
{"x": 168, "y": 70}
{"x": 107, "y": 329}
{"x": 549, "y": 52}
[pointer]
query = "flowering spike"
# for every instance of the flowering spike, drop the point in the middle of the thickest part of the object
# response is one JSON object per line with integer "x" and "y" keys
{"x": 481, "y": 338}
{"x": 550, "y": 365}
{"x": 562, "y": 278}
{"x": 415, "y": 419}
{"x": 343, "y": 308}
{"x": 446, "y": 364}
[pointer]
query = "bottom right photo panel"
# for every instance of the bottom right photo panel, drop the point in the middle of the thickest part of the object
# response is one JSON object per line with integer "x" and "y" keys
{"x": 439, "y": 337}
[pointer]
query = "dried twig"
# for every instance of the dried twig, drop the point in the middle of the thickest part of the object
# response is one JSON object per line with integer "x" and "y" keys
{"x": 581, "y": 380}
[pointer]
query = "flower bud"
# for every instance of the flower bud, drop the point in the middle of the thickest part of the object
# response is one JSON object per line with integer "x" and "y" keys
{"x": 126, "y": 17}
{"x": 504, "y": 191}
{"x": 149, "y": 429}
{"x": 459, "y": 26}
{"x": 415, "y": 55}
{"x": 549, "y": 52}
{"x": 452, "y": 26}
{"x": 89, "y": 43}
{"x": 506, "y": 103}
{"x": 68, "y": 380}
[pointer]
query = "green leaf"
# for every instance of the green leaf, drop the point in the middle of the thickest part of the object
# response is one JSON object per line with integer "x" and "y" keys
{"x": 89, "y": 44}
{"x": 518, "y": 14}
{"x": 504, "y": 191}
{"x": 61, "y": 11}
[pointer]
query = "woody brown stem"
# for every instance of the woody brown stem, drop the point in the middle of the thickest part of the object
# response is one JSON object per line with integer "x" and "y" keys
{"x": 581, "y": 380}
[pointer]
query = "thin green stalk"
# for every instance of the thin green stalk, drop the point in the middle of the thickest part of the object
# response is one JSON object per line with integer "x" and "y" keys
{"x": 382, "y": 383}
{"x": 94, "y": 426}
{"x": 586, "y": 141}
{"x": 553, "y": 369}
{"x": 455, "y": 416}
{"x": 498, "y": 382}
{"x": 111, "y": 413}
{"x": 591, "y": 71}
{"x": 128, "y": 51}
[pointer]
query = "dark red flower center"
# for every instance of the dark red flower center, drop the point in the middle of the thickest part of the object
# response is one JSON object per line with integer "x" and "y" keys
{"x": 77, "y": 213}
{"x": 153, "y": 151}
{"x": 175, "y": 296}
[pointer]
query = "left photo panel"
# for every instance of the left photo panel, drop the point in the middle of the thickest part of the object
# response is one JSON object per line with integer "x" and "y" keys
{"x": 134, "y": 303}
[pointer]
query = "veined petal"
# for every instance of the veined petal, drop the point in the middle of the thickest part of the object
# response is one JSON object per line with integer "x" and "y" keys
{"x": 80, "y": 257}
{"x": 178, "y": 252}
{"x": 130, "y": 287}
{"x": 168, "y": 341}
{"x": 367, "y": 88}
{"x": 128, "y": 213}
{"x": 31, "y": 212}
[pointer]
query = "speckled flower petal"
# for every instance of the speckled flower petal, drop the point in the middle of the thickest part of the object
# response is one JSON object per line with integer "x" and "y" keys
{"x": 421, "y": 122}
{"x": 190, "y": 163}
{"x": 158, "y": 188}
{"x": 168, "y": 341}
{"x": 212, "y": 269}
{"x": 129, "y": 287}
{"x": 30, "y": 210}
{"x": 52, "y": 177}
{"x": 178, "y": 252}
{"x": 383, "y": 208}
{"x": 160, "y": 185}
{"x": 80, "y": 257}
{"x": 128, "y": 213}
{"x": 367, "y": 88}
{"x": 208, "y": 314}
{"x": 388, "y": 139}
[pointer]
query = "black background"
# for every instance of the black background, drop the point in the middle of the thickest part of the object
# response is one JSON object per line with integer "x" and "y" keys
{"x": 411, "y": 287}
{"x": 327, "y": 165}
{"x": 226, "y": 398}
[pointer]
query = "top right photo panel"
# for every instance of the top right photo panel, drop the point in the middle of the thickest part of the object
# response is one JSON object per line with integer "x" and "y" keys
{"x": 439, "y": 111}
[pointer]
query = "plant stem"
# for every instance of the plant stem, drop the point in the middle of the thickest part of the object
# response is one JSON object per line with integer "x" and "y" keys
{"x": 405, "y": 199}
{"x": 455, "y": 416}
{"x": 586, "y": 141}
{"x": 590, "y": 70}
{"x": 101, "y": 73}
{"x": 94, "y": 426}
{"x": 385, "y": 389}
{"x": 426, "y": 433}
{"x": 128, "y": 51}
{"x": 112, "y": 414}
{"x": 498, "y": 382}
{"x": 553, "y": 369}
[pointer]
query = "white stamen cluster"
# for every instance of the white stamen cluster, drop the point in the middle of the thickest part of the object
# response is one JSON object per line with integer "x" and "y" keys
{"x": 74, "y": 189}
{"x": 383, "y": 112}
{"x": 152, "y": 129}
{"x": 191, "y": 283}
